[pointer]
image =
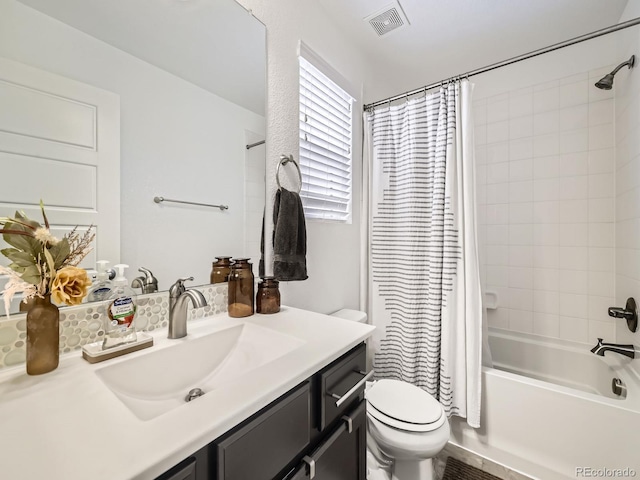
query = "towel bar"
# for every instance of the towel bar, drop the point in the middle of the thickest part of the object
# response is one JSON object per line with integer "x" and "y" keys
{"x": 284, "y": 159}
{"x": 162, "y": 199}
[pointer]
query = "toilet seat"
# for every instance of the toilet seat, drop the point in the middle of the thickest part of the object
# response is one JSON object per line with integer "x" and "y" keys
{"x": 403, "y": 406}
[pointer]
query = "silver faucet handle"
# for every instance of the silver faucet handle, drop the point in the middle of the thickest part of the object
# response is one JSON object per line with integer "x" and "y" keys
{"x": 178, "y": 288}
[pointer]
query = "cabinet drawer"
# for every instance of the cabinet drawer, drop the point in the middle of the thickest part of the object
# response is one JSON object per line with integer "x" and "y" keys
{"x": 259, "y": 449}
{"x": 341, "y": 455}
{"x": 337, "y": 380}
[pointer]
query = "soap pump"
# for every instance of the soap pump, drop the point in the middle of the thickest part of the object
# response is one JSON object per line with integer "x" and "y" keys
{"x": 101, "y": 289}
{"x": 121, "y": 312}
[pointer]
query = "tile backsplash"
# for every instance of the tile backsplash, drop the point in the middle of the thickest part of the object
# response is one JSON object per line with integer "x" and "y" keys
{"x": 84, "y": 324}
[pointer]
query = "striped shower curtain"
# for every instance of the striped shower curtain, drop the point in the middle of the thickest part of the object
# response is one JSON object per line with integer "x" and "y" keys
{"x": 423, "y": 285}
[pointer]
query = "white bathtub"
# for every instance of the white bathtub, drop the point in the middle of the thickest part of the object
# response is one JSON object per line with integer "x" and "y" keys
{"x": 548, "y": 409}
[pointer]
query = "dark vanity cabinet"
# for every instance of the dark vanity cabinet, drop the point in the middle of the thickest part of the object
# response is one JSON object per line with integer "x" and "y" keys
{"x": 316, "y": 430}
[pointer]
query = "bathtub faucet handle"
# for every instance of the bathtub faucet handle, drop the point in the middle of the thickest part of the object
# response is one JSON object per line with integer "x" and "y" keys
{"x": 629, "y": 313}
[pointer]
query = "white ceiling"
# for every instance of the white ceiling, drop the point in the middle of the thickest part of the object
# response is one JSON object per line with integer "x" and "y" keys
{"x": 215, "y": 44}
{"x": 450, "y": 37}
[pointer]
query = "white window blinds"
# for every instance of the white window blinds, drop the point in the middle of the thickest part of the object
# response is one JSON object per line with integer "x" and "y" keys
{"x": 325, "y": 146}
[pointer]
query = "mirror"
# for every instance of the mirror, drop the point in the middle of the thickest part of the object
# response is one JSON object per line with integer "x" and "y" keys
{"x": 188, "y": 78}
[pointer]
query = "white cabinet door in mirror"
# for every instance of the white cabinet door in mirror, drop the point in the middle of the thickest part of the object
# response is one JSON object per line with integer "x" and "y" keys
{"x": 60, "y": 142}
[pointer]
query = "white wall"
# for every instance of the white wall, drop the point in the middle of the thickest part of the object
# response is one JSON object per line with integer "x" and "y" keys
{"x": 627, "y": 108}
{"x": 178, "y": 141}
{"x": 332, "y": 249}
{"x": 545, "y": 154}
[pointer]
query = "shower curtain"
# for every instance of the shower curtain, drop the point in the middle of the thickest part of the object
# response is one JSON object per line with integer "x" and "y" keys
{"x": 420, "y": 263}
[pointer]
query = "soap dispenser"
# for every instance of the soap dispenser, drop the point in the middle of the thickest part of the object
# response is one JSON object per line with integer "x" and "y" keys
{"x": 101, "y": 288}
{"x": 121, "y": 311}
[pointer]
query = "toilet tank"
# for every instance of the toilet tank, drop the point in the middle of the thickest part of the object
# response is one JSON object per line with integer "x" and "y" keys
{"x": 353, "y": 315}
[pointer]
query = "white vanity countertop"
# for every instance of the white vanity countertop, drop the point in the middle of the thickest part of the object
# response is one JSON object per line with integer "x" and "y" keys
{"x": 68, "y": 424}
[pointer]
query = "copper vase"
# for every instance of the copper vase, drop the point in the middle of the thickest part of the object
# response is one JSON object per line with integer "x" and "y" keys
{"x": 43, "y": 336}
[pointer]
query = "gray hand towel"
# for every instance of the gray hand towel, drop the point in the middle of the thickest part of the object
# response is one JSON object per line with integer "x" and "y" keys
{"x": 289, "y": 237}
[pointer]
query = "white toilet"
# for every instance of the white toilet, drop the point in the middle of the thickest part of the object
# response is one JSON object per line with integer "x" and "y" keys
{"x": 404, "y": 423}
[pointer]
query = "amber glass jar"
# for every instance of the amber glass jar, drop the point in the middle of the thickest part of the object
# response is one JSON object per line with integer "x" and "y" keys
{"x": 268, "y": 297}
{"x": 220, "y": 270}
{"x": 241, "y": 291}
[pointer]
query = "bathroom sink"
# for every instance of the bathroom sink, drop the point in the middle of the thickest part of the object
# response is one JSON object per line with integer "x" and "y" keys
{"x": 157, "y": 382}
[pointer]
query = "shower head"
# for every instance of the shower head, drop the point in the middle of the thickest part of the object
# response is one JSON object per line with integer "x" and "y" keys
{"x": 606, "y": 82}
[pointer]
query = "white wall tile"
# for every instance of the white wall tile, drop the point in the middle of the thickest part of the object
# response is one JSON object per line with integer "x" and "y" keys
{"x": 574, "y": 118}
{"x": 546, "y": 257}
{"x": 602, "y": 284}
{"x": 601, "y": 234}
{"x": 574, "y": 93}
{"x": 521, "y": 105}
{"x": 601, "y": 112}
{"x": 601, "y": 259}
{"x": 573, "y": 211}
{"x": 601, "y": 136}
{"x": 546, "y": 324}
{"x": 497, "y": 276}
{"x": 480, "y": 135}
{"x": 574, "y": 329}
{"x": 547, "y": 99}
{"x": 498, "y": 193}
{"x": 498, "y": 172}
{"x": 574, "y": 140}
{"x": 574, "y": 164}
{"x": 599, "y": 306}
{"x": 546, "y": 167}
{"x": 602, "y": 185}
{"x": 498, "y": 152}
{"x": 497, "y": 255}
{"x": 498, "y": 318}
{"x": 545, "y": 145}
{"x": 573, "y": 258}
{"x": 604, "y": 330}
{"x": 546, "y": 234}
{"x": 520, "y": 127}
{"x": 497, "y": 214}
{"x": 521, "y": 170}
{"x": 574, "y": 281}
{"x": 601, "y": 210}
{"x": 521, "y": 321}
{"x": 521, "y": 213}
{"x": 521, "y": 299}
{"x": 546, "y": 122}
{"x": 521, "y": 191}
{"x": 547, "y": 279}
{"x": 573, "y": 188}
{"x": 521, "y": 234}
{"x": 547, "y": 212}
{"x": 521, "y": 277}
{"x": 546, "y": 189}
{"x": 520, "y": 256}
{"x": 520, "y": 149}
{"x": 497, "y": 235}
{"x": 546, "y": 301}
{"x": 572, "y": 305}
{"x": 497, "y": 132}
{"x": 497, "y": 110}
{"x": 574, "y": 235}
{"x": 602, "y": 161}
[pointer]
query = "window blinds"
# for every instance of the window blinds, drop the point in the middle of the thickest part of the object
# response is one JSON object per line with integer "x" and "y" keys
{"x": 325, "y": 146}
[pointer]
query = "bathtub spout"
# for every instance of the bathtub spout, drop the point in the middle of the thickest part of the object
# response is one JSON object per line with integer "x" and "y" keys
{"x": 626, "y": 350}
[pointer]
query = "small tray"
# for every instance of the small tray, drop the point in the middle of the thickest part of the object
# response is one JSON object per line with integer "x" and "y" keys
{"x": 93, "y": 352}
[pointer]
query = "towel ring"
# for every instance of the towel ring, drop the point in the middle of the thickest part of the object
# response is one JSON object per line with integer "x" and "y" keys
{"x": 284, "y": 159}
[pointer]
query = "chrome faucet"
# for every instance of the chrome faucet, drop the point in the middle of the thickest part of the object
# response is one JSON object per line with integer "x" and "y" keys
{"x": 178, "y": 299}
{"x": 626, "y": 350}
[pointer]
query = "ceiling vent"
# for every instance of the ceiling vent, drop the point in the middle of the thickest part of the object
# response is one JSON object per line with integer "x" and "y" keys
{"x": 389, "y": 18}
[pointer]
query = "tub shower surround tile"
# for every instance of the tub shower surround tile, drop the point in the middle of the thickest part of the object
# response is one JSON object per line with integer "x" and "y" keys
{"x": 84, "y": 324}
{"x": 549, "y": 212}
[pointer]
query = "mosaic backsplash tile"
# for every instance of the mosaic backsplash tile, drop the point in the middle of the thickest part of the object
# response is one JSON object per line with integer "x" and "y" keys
{"x": 84, "y": 324}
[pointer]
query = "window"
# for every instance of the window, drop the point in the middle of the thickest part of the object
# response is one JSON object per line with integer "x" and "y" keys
{"x": 326, "y": 121}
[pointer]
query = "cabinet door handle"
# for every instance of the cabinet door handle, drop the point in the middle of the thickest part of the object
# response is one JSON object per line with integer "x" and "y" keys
{"x": 343, "y": 398}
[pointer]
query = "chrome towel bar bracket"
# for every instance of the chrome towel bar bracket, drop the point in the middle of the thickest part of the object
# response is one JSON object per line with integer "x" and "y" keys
{"x": 162, "y": 199}
{"x": 284, "y": 159}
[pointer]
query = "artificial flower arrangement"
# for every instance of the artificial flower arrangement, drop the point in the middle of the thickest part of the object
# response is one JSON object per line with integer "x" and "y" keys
{"x": 42, "y": 264}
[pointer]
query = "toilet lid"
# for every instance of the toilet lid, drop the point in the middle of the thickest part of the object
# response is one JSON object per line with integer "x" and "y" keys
{"x": 397, "y": 403}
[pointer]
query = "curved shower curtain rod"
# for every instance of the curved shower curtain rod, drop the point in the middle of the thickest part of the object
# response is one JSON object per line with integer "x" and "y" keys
{"x": 504, "y": 63}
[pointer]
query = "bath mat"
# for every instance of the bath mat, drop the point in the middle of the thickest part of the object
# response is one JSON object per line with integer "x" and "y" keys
{"x": 456, "y": 470}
